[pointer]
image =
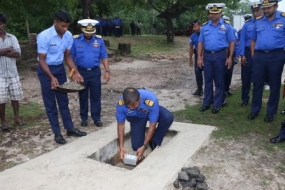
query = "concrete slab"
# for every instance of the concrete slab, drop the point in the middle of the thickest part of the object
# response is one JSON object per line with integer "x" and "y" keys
{"x": 68, "y": 167}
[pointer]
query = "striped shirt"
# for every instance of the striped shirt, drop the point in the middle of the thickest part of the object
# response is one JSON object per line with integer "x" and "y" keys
{"x": 8, "y": 67}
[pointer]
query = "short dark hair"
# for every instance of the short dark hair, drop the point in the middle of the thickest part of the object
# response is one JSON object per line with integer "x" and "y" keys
{"x": 196, "y": 22}
{"x": 3, "y": 18}
{"x": 130, "y": 94}
{"x": 62, "y": 16}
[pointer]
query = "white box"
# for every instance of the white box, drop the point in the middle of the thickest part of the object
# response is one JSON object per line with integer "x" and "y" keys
{"x": 130, "y": 159}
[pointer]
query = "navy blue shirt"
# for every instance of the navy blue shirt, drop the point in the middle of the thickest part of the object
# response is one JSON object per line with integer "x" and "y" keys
{"x": 193, "y": 41}
{"x": 245, "y": 36}
{"x": 148, "y": 108}
{"x": 88, "y": 54}
{"x": 216, "y": 37}
{"x": 269, "y": 35}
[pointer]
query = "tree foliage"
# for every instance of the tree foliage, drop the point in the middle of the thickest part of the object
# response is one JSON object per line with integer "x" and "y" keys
{"x": 167, "y": 14}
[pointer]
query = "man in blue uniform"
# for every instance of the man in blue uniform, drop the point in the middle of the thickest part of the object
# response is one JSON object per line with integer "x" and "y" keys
{"x": 193, "y": 43}
{"x": 139, "y": 106}
{"x": 216, "y": 44}
{"x": 54, "y": 46}
{"x": 87, "y": 52}
{"x": 267, "y": 48}
{"x": 246, "y": 59}
{"x": 229, "y": 72}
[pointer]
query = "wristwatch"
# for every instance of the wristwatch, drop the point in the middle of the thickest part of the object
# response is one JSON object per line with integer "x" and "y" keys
{"x": 145, "y": 146}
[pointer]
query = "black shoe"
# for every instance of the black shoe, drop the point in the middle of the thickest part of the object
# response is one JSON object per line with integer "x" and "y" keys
{"x": 204, "y": 108}
{"x": 224, "y": 103}
{"x": 268, "y": 118}
{"x": 215, "y": 110}
{"x": 98, "y": 123}
{"x": 59, "y": 139}
{"x": 83, "y": 123}
{"x": 76, "y": 132}
{"x": 152, "y": 145}
{"x": 283, "y": 112}
{"x": 230, "y": 93}
{"x": 198, "y": 92}
{"x": 252, "y": 115}
{"x": 277, "y": 139}
{"x": 244, "y": 104}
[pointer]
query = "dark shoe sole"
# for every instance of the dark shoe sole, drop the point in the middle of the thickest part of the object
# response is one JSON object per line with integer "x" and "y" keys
{"x": 84, "y": 123}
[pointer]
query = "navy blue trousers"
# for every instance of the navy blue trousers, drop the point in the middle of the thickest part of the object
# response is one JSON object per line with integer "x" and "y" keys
{"x": 198, "y": 73}
{"x": 92, "y": 91}
{"x": 270, "y": 64}
{"x": 214, "y": 72}
{"x": 138, "y": 128}
{"x": 246, "y": 76}
{"x": 228, "y": 77}
{"x": 52, "y": 98}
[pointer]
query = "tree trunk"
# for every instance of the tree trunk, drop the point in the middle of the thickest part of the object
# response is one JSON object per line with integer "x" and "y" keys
{"x": 169, "y": 33}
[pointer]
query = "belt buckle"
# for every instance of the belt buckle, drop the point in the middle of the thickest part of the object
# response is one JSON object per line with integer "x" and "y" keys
{"x": 89, "y": 69}
{"x": 213, "y": 52}
{"x": 266, "y": 51}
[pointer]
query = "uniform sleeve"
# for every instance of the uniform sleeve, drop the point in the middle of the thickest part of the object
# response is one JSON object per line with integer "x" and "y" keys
{"x": 201, "y": 36}
{"x": 230, "y": 34}
{"x": 120, "y": 115}
{"x": 154, "y": 112}
{"x": 69, "y": 41}
{"x": 253, "y": 34}
{"x": 103, "y": 53}
{"x": 42, "y": 44}
{"x": 242, "y": 40}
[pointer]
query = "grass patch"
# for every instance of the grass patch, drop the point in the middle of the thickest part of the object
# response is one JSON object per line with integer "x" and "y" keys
{"x": 146, "y": 44}
{"x": 31, "y": 112}
{"x": 232, "y": 121}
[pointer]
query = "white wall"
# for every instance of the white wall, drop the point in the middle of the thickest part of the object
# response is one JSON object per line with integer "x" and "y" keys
{"x": 238, "y": 21}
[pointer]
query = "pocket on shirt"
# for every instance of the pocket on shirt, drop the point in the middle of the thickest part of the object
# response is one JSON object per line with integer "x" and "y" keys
{"x": 277, "y": 32}
{"x": 80, "y": 52}
{"x": 222, "y": 34}
{"x": 53, "y": 49}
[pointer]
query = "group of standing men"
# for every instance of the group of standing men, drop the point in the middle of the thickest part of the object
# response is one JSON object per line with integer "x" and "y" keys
{"x": 83, "y": 55}
{"x": 261, "y": 49}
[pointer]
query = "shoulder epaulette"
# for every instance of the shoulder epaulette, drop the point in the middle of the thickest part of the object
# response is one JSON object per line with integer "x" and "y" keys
{"x": 121, "y": 102}
{"x": 283, "y": 14}
{"x": 149, "y": 102}
{"x": 257, "y": 18}
{"x": 226, "y": 21}
{"x": 205, "y": 23}
{"x": 98, "y": 36}
{"x": 76, "y": 36}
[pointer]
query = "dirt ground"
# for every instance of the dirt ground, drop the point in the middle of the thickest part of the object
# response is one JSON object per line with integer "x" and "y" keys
{"x": 231, "y": 164}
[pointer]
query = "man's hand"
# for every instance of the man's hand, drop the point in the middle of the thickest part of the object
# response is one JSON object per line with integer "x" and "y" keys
{"x": 243, "y": 60}
{"x": 191, "y": 62}
{"x": 229, "y": 63}
{"x": 123, "y": 151}
{"x": 54, "y": 83}
{"x": 107, "y": 76}
{"x": 200, "y": 62}
{"x": 140, "y": 152}
{"x": 76, "y": 77}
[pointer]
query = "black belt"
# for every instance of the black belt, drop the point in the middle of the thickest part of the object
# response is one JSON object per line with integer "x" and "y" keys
{"x": 218, "y": 51}
{"x": 87, "y": 69}
{"x": 270, "y": 51}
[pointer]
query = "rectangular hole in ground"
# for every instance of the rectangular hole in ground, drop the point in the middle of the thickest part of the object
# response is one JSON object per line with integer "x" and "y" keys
{"x": 109, "y": 153}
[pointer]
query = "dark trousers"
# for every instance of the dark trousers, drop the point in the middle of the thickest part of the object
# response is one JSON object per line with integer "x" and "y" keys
{"x": 228, "y": 77}
{"x": 246, "y": 76}
{"x": 138, "y": 128}
{"x": 52, "y": 97}
{"x": 270, "y": 64}
{"x": 117, "y": 32}
{"x": 198, "y": 73}
{"x": 214, "y": 72}
{"x": 92, "y": 91}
